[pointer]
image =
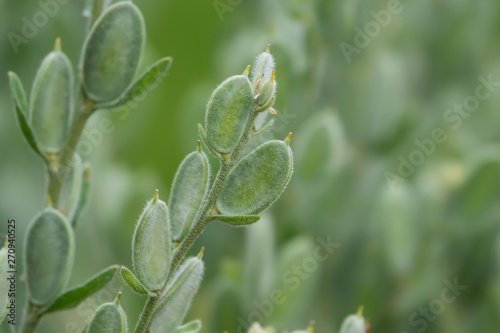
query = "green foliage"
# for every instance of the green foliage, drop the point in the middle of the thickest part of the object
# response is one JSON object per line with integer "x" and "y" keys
{"x": 75, "y": 296}
{"x": 51, "y": 102}
{"x": 108, "y": 318}
{"x": 152, "y": 245}
{"x": 49, "y": 254}
{"x": 112, "y": 51}
{"x": 257, "y": 180}
{"x": 179, "y": 294}
{"x": 189, "y": 190}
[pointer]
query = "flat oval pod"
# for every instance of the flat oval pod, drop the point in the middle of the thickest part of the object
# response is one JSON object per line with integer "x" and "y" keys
{"x": 51, "y": 101}
{"x": 189, "y": 189}
{"x": 228, "y": 112}
{"x": 112, "y": 51}
{"x": 257, "y": 180}
{"x": 49, "y": 254}
{"x": 151, "y": 246}
{"x": 4, "y": 283}
{"x": 108, "y": 318}
{"x": 178, "y": 296}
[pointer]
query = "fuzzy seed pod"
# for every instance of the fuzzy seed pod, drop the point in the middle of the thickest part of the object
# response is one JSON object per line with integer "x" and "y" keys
{"x": 112, "y": 51}
{"x": 178, "y": 296}
{"x": 151, "y": 246}
{"x": 257, "y": 180}
{"x": 188, "y": 192}
{"x": 108, "y": 318}
{"x": 52, "y": 101}
{"x": 266, "y": 92}
{"x": 4, "y": 283}
{"x": 49, "y": 254}
{"x": 263, "y": 67}
{"x": 228, "y": 112}
{"x": 354, "y": 323}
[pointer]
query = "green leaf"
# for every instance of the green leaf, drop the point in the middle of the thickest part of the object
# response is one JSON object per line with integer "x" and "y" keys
{"x": 108, "y": 318}
{"x": 176, "y": 300}
{"x": 75, "y": 296}
{"x": 49, "y": 254}
{"x": 228, "y": 112}
{"x": 84, "y": 193}
{"x": 4, "y": 283}
{"x": 257, "y": 180}
{"x": 191, "y": 327}
{"x": 20, "y": 108}
{"x": 145, "y": 83}
{"x": 152, "y": 246}
{"x": 189, "y": 190}
{"x": 132, "y": 281}
{"x": 51, "y": 103}
{"x": 238, "y": 220}
{"x": 112, "y": 51}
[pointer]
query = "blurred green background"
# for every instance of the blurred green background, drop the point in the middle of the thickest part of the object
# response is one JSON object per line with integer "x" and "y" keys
{"x": 406, "y": 216}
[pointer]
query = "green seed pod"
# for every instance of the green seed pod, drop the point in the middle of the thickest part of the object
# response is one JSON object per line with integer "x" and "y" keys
{"x": 108, "y": 318}
{"x": 151, "y": 246}
{"x": 52, "y": 101}
{"x": 228, "y": 112}
{"x": 132, "y": 281}
{"x": 191, "y": 327}
{"x": 189, "y": 190}
{"x": 112, "y": 51}
{"x": 177, "y": 299}
{"x": 354, "y": 323}
{"x": 72, "y": 187}
{"x": 267, "y": 91}
{"x": 49, "y": 254}
{"x": 4, "y": 283}
{"x": 257, "y": 180}
{"x": 263, "y": 67}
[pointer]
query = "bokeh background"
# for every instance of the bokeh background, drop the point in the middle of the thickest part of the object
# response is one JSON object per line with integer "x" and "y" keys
{"x": 405, "y": 217}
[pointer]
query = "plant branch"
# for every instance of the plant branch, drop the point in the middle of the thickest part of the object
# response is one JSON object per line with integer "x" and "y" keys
{"x": 31, "y": 319}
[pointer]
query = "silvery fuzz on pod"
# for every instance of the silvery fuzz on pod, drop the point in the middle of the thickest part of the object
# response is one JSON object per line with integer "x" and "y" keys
{"x": 354, "y": 323}
{"x": 51, "y": 102}
{"x": 257, "y": 180}
{"x": 189, "y": 190}
{"x": 108, "y": 318}
{"x": 228, "y": 112}
{"x": 112, "y": 52}
{"x": 151, "y": 246}
{"x": 49, "y": 254}
{"x": 176, "y": 300}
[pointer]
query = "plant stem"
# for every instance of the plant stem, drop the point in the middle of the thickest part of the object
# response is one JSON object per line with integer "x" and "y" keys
{"x": 57, "y": 170}
{"x": 31, "y": 319}
{"x": 198, "y": 226}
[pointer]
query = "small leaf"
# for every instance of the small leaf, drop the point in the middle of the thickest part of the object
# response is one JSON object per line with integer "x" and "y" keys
{"x": 257, "y": 180}
{"x": 75, "y": 296}
{"x": 189, "y": 190}
{"x": 146, "y": 82}
{"x": 51, "y": 103}
{"x": 71, "y": 188}
{"x": 112, "y": 51}
{"x": 151, "y": 246}
{"x": 228, "y": 112}
{"x": 176, "y": 300}
{"x": 84, "y": 193}
{"x": 108, "y": 318}
{"x": 191, "y": 327}
{"x": 20, "y": 108}
{"x": 4, "y": 283}
{"x": 49, "y": 255}
{"x": 238, "y": 220}
{"x": 132, "y": 281}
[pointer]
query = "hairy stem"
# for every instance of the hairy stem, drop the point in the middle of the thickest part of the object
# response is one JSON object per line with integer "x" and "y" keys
{"x": 31, "y": 319}
{"x": 199, "y": 224}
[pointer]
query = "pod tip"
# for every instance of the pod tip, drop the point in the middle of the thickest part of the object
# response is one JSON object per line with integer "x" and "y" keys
{"x": 117, "y": 299}
{"x": 200, "y": 255}
{"x": 57, "y": 44}
{"x": 199, "y": 146}
{"x": 155, "y": 198}
{"x": 272, "y": 75}
{"x": 268, "y": 48}
{"x": 288, "y": 138}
